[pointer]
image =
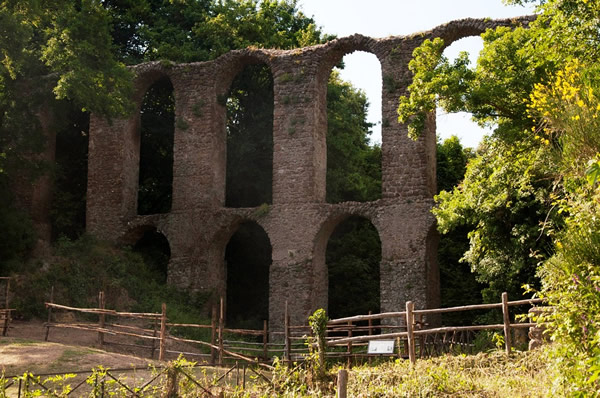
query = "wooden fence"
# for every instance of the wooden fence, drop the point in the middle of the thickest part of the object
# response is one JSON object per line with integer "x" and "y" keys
{"x": 416, "y": 328}
{"x": 406, "y": 328}
{"x": 5, "y": 310}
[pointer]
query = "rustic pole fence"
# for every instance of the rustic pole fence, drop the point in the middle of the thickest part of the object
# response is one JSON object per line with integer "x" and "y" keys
{"x": 286, "y": 329}
{"x": 353, "y": 333}
{"x": 410, "y": 321}
{"x": 506, "y": 318}
{"x": 101, "y": 318}
{"x": 49, "y": 314}
{"x": 163, "y": 333}
{"x": 221, "y": 330}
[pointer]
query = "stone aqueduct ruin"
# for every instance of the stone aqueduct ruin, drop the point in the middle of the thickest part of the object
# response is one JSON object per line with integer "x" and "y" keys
{"x": 299, "y": 222}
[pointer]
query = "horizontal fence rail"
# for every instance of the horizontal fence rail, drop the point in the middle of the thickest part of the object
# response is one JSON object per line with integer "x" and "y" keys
{"x": 346, "y": 337}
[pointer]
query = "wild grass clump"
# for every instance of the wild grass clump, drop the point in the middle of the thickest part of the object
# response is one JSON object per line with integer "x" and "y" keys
{"x": 492, "y": 374}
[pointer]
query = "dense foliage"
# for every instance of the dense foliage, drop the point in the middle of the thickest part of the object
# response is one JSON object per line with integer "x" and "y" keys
{"x": 57, "y": 54}
{"x": 530, "y": 197}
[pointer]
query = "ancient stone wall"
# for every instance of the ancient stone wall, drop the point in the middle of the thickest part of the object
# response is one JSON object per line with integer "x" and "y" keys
{"x": 299, "y": 222}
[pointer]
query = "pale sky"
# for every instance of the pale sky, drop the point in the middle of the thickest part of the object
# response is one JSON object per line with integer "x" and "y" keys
{"x": 382, "y": 18}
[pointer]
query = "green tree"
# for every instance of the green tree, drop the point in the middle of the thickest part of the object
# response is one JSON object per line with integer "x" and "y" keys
{"x": 537, "y": 174}
{"x": 458, "y": 284}
{"x": 505, "y": 195}
{"x": 568, "y": 107}
{"x": 53, "y": 53}
{"x": 353, "y": 166}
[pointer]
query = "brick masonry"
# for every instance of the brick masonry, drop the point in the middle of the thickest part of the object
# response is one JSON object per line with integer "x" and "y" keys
{"x": 299, "y": 222}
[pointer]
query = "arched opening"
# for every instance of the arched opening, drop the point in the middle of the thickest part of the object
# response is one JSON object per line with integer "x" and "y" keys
{"x": 460, "y": 123}
{"x": 249, "y": 176}
{"x": 156, "y": 252}
{"x": 353, "y": 159}
{"x": 67, "y": 211}
{"x": 157, "y": 118}
{"x": 457, "y": 137}
{"x": 353, "y": 257}
{"x": 248, "y": 260}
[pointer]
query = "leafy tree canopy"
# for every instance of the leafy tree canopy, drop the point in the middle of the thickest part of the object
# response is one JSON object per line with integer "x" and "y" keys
{"x": 508, "y": 189}
{"x": 534, "y": 184}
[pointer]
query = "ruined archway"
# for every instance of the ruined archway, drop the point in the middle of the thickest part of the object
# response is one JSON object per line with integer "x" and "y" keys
{"x": 249, "y": 127}
{"x": 155, "y": 249}
{"x": 67, "y": 210}
{"x": 342, "y": 261}
{"x": 353, "y": 164}
{"x": 153, "y": 245}
{"x": 157, "y": 119}
{"x": 298, "y": 220}
{"x": 353, "y": 259}
{"x": 247, "y": 262}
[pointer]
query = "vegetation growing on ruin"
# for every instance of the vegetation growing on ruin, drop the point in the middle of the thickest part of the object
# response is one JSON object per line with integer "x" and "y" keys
{"x": 530, "y": 197}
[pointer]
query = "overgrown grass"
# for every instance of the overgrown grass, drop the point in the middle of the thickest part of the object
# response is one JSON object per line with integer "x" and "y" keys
{"x": 524, "y": 374}
{"x": 493, "y": 374}
{"x": 79, "y": 269}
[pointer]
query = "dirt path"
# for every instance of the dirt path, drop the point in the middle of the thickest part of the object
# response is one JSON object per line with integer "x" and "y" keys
{"x": 24, "y": 349}
{"x": 72, "y": 351}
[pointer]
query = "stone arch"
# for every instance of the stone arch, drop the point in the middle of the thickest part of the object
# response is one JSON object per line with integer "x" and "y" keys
{"x": 258, "y": 162}
{"x": 154, "y": 246}
{"x": 156, "y": 132}
{"x": 320, "y": 272}
{"x": 299, "y": 223}
{"x": 335, "y": 53}
{"x": 234, "y": 271}
{"x": 146, "y": 76}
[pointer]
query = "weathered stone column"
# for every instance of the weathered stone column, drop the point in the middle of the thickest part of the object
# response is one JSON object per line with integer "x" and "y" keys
{"x": 199, "y": 156}
{"x": 300, "y": 151}
{"x": 113, "y": 169}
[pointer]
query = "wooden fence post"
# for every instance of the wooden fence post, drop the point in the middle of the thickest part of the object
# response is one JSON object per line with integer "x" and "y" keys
{"x": 163, "y": 333}
{"x": 419, "y": 326}
{"x": 101, "y": 318}
{"x": 154, "y": 333}
{"x": 221, "y": 330}
{"x": 265, "y": 340}
{"x": 49, "y": 314}
{"x": 349, "y": 347}
{"x": 213, "y": 334}
{"x": 286, "y": 329}
{"x": 6, "y": 294}
{"x": 6, "y": 316}
{"x": 410, "y": 322}
{"x": 172, "y": 383}
{"x": 506, "y": 316}
{"x": 342, "y": 383}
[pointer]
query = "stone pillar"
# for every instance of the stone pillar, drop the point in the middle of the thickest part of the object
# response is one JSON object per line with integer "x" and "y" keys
{"x": 199, "y": 157}
{"x": 407, "y": 258}
{"x": 292, "y": 229}
{"x": 299, "y": 147}
{"x": 408, "y": 166}
{"x": 113, "y": 169}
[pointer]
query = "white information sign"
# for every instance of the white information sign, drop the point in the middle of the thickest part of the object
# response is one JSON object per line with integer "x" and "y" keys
{"x": 381, "y": 347}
